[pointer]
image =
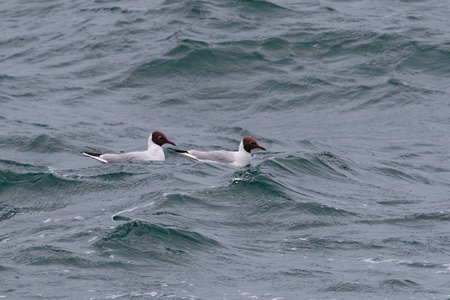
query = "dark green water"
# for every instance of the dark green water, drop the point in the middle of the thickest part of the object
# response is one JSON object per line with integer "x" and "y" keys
{"x": 350, "y": 99}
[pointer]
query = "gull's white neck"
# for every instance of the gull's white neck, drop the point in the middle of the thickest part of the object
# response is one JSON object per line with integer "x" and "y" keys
{"x": 152, "y": 145}
{"x": 241, "y": 147}
{"x": 242, "y": 157}
{"x": 154, "y": 150}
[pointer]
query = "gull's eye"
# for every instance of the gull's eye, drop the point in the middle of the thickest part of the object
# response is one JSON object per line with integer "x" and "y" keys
{"x": 160, "y": 137}
{"x": 252, "y": 142}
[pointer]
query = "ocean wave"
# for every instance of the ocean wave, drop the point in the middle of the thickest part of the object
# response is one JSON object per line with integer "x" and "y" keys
{"x": 329, "y": 243}
{"x": 430, "y": 59}
{"x": 16, "y": 165}
{"x": 261, "y": 6}
{"x": 42, "y": 143}
{"x": 50, "y": 255}
{"x": 422, "y": 265}
{"x": 414, "y": 220}
{"x": 191, "y": 57}
{"x": 281, "y": 195}
{"x": 350, "y": 287}
{"x": 116, "y": 175}
{"x": 7, "y": 212}
{"x": 202, "y": 10}
{"x": 154, "y": 242}
{"x": 400, "y": 284}
{"x": 398, "y": 174}
{"x": 27, "y": 188}
{"x": 324, "y": 165}
{"x": 37, "y": 181}
{"x": 205, "y": 62}
{"x": 180, "y": 199}
{"x": 188, "y": 9}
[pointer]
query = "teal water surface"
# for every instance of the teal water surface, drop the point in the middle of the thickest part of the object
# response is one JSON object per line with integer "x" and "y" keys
{"x": 350, "y": 99}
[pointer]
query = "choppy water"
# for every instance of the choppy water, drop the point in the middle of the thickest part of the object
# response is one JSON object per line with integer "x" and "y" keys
{"x": 350, "y": 98}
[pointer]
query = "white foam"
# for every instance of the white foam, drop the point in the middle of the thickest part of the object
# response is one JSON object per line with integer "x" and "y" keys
{"x": 373, "y": 261}
{"x": 123, "y": 211}
{"x": 149, "y": 204}
{"x": 152, "y": 294}
{"x": 115, "y": 296}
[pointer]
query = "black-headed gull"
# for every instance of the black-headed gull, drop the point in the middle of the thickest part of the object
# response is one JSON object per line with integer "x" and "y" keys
{"x": 154, "y": 151}
{"x": 238, "y": 158}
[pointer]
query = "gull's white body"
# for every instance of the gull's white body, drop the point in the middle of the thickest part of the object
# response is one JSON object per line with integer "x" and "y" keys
{"x": 154, "y": 153}
{"x": 238, "y": 158}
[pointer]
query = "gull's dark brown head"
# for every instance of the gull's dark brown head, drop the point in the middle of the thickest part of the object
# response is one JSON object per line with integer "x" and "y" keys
{"x": 250, "y": 143}
{"x": 160, "y": 139}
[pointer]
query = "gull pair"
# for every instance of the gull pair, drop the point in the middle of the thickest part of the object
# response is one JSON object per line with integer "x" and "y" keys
{"x": 155, "y": 152}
